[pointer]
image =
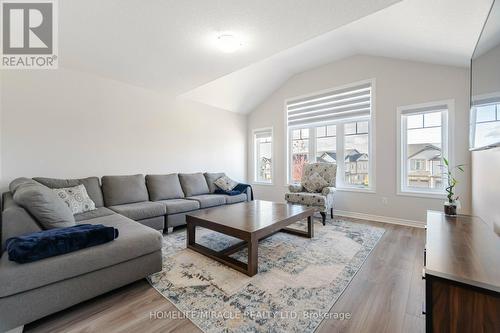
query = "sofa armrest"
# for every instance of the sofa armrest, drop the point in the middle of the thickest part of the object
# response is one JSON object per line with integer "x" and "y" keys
{"x": 328, "y": 190}
{"x": 248, "y": 192}
{"x": 295, "y": 188}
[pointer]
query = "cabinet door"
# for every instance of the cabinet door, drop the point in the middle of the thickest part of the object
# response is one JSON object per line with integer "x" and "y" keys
{"x": 461, "y": 308}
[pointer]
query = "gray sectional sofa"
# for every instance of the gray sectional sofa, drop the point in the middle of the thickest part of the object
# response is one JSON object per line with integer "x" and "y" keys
{"x": 162, "y": 201}
{"x": 137, "y": 206}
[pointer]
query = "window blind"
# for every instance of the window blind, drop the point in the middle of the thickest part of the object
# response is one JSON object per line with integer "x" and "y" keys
{"x": 347, "y": 103}
{"x": 262, "y": 134}
{"x": 486, "y": 101}
{"x": 427, "y": 109}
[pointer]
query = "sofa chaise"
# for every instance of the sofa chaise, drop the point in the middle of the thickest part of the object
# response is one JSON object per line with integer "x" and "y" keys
{"x": 139, "y": 207}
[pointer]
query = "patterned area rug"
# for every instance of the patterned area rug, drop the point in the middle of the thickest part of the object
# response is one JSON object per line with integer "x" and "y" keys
{"x": 299, "y": 279}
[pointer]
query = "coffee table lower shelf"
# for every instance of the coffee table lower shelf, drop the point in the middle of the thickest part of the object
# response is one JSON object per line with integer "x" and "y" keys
{"x": 252, "y": 243}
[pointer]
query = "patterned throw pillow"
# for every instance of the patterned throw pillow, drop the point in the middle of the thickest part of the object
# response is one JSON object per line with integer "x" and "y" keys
{"x": 76, "y": 198}
{"x": 225, "y": 183}
{"x": 315, "y": 183}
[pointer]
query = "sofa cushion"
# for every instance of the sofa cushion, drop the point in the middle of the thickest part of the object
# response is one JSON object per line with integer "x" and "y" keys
{"x": 20, "y": 182}
{"x": 91, "y": 185}
{"x": 92, "y": 214}
{"x": 134, "y": 240}
{"x": 47, "y": 208}
{"x": 175, "y": 206}
{"x": 193, "y": 184}
{"x": 76, "y": 198}
{"x": 157, "y": 223}
{"x": 211, "y": 177}
{"x": 306, "y": 198}
{"x": 231, "y": 199}
{"x": 119, "y": 190}
{"x": 140, "y": 210}
{"x": 164, "y": 187}
{"x": 175, "y": 220}
{"x": 209, "y": 200}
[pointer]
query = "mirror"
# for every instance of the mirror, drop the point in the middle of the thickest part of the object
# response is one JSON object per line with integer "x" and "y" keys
{"x": 485, "y": 85}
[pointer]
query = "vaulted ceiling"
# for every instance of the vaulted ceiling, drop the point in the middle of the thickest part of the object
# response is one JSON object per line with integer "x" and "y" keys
{"x": 169, "y": 45}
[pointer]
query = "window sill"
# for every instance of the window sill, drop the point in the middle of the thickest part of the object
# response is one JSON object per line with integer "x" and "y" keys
{"x": 262, "y": 183}
{"x": 356, "y": 189}
{"x": 347, "y": 189}
{"x": 427, "y": 195}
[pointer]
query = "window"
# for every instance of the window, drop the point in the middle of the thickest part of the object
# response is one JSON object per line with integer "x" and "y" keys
{"x": 356, "y": 153}
{"x": 263, "y": 152}
{"x": 485, "y": 122}
{"x": 418, "y": 164}
{"x": 328, "y": 125}
{"x": 423, "y": 142}
{"x": 300, "y": 152}
{"x": 326, "y": 144}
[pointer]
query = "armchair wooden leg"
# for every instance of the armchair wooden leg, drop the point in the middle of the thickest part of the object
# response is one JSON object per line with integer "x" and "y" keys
{"x": 323, "y": 217}
{"x": 331, "y": 212}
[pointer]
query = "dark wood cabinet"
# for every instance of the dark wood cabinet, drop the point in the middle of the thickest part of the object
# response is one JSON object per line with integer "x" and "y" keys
{"x": 462, "y": 275}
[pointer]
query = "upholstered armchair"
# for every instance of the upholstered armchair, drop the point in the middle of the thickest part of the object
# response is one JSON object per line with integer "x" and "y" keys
{"x": 316, "y": 188}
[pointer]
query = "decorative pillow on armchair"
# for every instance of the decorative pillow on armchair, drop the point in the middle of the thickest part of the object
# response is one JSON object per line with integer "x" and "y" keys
{"x": 225, "y": 183}
{"x": 314, "y": 183}
{"x": 76, "y": 198}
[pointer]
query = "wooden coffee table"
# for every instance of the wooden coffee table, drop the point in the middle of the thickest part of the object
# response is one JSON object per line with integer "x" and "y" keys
{"x": 249, "y": 221}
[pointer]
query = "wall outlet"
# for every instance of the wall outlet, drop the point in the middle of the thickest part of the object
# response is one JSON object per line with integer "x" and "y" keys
{"x": 385, "y": 201}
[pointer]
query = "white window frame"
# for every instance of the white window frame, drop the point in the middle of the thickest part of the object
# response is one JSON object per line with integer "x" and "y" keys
{"x": 340, "y": 185}
{"x": 256, "y": 152}
{"x": 447, "y": 125}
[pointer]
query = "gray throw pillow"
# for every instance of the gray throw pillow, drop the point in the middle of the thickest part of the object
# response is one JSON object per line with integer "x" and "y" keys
{"x": 225, "y": 183}
{"x": 19, "y": 182}
{"x": 49, "y": 210}
{"x": 76, "y": 198}
{"x": 92, "y": 186}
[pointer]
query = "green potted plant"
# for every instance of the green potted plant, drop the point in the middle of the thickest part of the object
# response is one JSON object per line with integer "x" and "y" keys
{"x": 451, "y": 204}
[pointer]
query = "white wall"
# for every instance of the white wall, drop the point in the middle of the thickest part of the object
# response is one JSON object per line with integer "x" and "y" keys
{"x": 485, "y": 181}
{"x": 398, "y": 83}
{"x": 62, "y": 123}
{"x": 486, "y": 73}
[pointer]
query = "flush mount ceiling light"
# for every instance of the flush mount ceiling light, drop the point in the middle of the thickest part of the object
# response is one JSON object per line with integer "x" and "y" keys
{"x": 228, "y": 43}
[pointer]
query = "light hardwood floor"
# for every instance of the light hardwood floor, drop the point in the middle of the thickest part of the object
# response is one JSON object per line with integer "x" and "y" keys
{"x": 386, "y": 295}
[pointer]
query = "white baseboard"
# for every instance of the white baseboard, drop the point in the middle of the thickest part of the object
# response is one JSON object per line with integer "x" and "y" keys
{"x": 376, "y": 218}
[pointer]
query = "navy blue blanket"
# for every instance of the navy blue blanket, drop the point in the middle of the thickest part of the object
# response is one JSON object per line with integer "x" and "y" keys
{"x": 231, "y": 192}
{"x": 53, "y": 242}
{"x": 238, "y": 189}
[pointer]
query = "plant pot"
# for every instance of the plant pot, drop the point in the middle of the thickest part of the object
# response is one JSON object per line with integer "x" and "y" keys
{"x": 450, "y": 209}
